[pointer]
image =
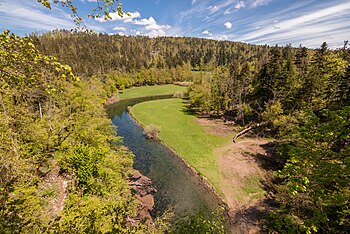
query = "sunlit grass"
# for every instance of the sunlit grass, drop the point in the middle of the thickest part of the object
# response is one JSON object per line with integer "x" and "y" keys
{"x": 144, "y": 91}
{"x": 180, "y": 130}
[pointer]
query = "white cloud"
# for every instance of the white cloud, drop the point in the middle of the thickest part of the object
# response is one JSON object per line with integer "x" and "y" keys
{"x": 228, "y": 25}
{"x": 156, "y": 27}
{"x": 126, "y": 17}
{"x": 145, "y": 21}
{"x": 137, "y": 33}
{"x": 206, "y": 32}
{"x": 258, "y": 3}
{"x": 152, "y": 26}
{"x": 119, "y": 28}
{"x": 227, "y": 12}
{"x": 221, "y": 38}
{"x": 156, "y": 33}
{"x": 240, "y": 5}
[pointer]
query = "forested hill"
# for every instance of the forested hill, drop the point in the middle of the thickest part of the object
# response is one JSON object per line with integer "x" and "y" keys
{"x": 299, "y": 96}
{"x": 90, "y": 54}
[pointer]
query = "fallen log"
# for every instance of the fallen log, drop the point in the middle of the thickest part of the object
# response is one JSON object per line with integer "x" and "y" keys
{"x": 244, "y": 131}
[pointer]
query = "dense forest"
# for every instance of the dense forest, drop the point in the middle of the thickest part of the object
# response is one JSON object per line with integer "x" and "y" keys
{"x": 56, "y": 140}
{"x": 62, "y": 170}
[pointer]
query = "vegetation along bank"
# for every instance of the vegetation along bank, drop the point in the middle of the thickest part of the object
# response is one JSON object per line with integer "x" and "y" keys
{"x": 61, "y": 169}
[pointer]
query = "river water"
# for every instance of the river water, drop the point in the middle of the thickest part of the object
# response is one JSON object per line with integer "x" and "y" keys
{"x": 176, "y": 186}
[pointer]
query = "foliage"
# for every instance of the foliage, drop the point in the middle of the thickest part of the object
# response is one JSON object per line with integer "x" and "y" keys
{"x": 178, "y": 94}
{"x": 302, "y": 95}
{"x": 152, "y": 131}
{"x": 203, "y": 223}
{"x": 315, "y": 190}
{"x": 167, "y": 59}
{"x": 50, "y": 120}
{"x": 61, "y": 170}
{"x": 103, "y": 9}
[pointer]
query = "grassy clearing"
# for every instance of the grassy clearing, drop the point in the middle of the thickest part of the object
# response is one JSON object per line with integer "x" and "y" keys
{"x": 144, "y": 91}
{"x": 181, "y": 131}
{"x": 205, "y": 150}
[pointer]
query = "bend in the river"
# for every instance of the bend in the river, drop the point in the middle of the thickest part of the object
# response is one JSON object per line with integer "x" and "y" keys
{"x": 176, "y": 185}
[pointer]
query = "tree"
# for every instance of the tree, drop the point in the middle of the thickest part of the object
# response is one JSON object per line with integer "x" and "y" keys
{"x": 315, "y": 191}
{"x": 103, "y": 9}
{"x": 61, "y": 169}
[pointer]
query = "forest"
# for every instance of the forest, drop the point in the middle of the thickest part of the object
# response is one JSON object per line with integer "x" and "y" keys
{"x": 57, "y": 144}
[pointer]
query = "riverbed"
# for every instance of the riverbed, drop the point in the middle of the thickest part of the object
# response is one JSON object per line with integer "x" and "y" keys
{"x": 177, "y": 187}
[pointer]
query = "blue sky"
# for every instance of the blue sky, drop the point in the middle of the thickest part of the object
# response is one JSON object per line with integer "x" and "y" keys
{"x": 306, "y": 22}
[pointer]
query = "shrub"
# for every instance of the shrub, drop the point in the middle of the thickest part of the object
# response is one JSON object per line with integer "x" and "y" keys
{"x": 152, "y": 131}
{"x": 178, "y": 94}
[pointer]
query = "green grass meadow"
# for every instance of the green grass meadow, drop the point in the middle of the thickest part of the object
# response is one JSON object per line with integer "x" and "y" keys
{"x": 145, "y": 91}
{"x": 180, "y": 131}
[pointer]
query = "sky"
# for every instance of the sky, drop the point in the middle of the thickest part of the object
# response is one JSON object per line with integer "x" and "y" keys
{"x": 297, "y": 22}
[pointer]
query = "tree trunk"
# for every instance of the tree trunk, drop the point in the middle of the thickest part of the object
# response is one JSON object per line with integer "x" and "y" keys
{"x": 244, "y": 131}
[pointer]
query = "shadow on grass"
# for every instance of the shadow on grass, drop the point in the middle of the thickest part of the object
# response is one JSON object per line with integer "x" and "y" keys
{"x": 187, "y": 108}
{"x": 248, "y": 218}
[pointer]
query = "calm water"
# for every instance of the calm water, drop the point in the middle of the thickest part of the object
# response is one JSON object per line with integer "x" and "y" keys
{"x": 175, "y": 185}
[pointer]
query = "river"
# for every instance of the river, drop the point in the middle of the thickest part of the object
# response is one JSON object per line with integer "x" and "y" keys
{"x": 177, "y": 187}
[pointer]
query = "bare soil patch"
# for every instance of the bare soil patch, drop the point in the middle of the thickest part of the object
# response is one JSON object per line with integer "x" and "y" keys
{"x": 244, "y": 173}
{"x": 243, "y": 183}
{"x": 216, "y": 126}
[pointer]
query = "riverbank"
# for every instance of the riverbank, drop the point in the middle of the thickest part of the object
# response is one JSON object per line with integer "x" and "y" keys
{"x": 233, "y": 170}
{"x": 147, "y": 92}
{"x": 191, "y": 170}
{"x": 176, "y": 186}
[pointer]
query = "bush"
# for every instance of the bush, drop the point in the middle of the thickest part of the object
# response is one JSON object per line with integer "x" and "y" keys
{"x": 178, "y": 94}
{"x": 152, "y": 131}
{"x": 201, "y": 222}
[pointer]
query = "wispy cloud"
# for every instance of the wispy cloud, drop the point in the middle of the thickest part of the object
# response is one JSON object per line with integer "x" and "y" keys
{"x": 126, "y": 17}
{"x": 119, "y": 28}
{"x": 319, "y": 24}
{"x": 258, "y": 3}
{"x": 307, "y": 22}
{"x": 29, "y": 15}
{"x": 240, "y": 5}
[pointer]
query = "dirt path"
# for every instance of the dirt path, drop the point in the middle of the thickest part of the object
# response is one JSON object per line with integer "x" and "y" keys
{"x": 243, "y": 176}
{"x": 63, "y": 194}
{"x": 243, "y": 183}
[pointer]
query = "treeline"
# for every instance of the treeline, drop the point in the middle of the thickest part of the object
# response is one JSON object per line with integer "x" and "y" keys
{"x": 61, "y": 169}
{"x": 92, "y": 54}
{"x": 299, "y": 96}
{"x": 116, "y": 80}
{"x": 302, "y": 98}
{"x": 285, "y": 81}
